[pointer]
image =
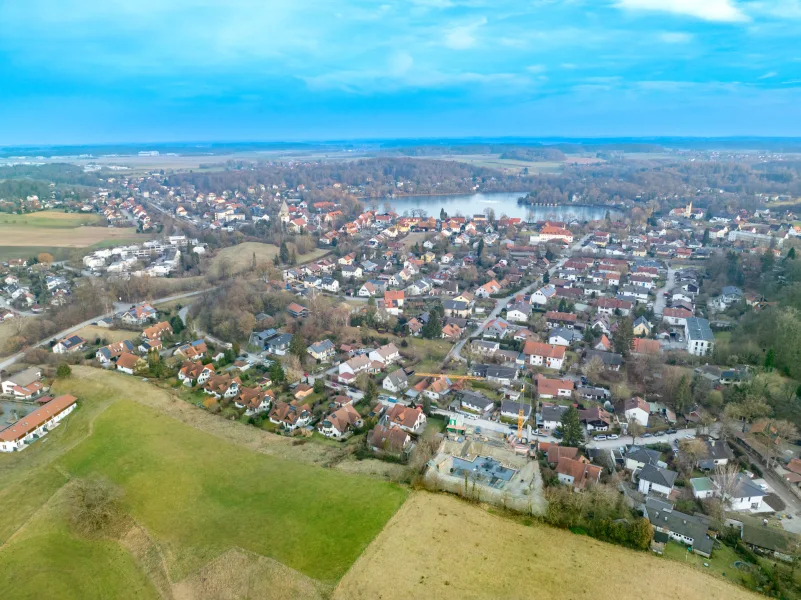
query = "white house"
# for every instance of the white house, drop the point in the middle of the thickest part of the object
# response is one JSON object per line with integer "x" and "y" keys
{"x": 385, "y": 354}
{"x": 655, "y": 479}
{"x": 396, "y": 381}
{"x": 638, "y": 410}
{"x": 543, "y": 295}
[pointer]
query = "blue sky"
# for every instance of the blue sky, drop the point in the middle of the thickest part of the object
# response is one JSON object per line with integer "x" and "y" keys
{"x": 76, "y": 71}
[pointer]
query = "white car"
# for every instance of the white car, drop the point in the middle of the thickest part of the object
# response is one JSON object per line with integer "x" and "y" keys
{"x": 689, "y": 436}
{"x": 613, "y": 436}
{"x": 600, "y": 438}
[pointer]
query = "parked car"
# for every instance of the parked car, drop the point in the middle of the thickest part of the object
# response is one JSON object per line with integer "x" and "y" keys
{"x": 647, "y": 435}
{"x": 689, "y": 436}
{"x": 613, "y": 436}
{"x": 600, "y": 438}
{"x": 670, "y": 431}
{"x": 659, "y": 434}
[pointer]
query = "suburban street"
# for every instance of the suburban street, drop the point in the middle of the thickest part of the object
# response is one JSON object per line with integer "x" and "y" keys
{"x": 456, "y": 350}
{"x": 118, "y": 307}
{"x": 661, "y": 301}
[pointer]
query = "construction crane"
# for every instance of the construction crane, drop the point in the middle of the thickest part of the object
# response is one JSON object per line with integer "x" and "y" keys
{"x": 449, "y": 376}
{"x": 520, "y": 414}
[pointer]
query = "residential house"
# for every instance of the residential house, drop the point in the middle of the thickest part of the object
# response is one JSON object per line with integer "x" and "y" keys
{"x": 139, "y": 314}
{"x": 476, "y": 403}
{"x": 348, "y": 370}
{"x": 637, "y": 409}
{"x": 554, "y": 388}
{"x": 643, "y": 346}
{"x": 560, "y": 319}
{"x": 577, "y": 473}
{"x": 551, "y": 416}
{"x": 511, "y": 411}
{"x": 488, "y": 289}
{"x": 157, "y": 331}
{"x": 408, "y": 419}
{"x": 192, "y": 351}
{"x": 655, "y": 479}
{"x": 547, "y": 355}
{"x": 23, "y": 380}
{"x": 129, "y": 363}
{"x": 543, "y": 295}
{"x": 71, "y": 343}
{"x": 396, "y": 381}
{"x": 610, "y": 361}
{"x": 386, "y": 354}
{"x": 339, "y": 422}
{"x": 699, "y": 336}
{"x": 389, "y": 440}
{"x": 222, "y": 386}
{"x": 107, "y": 354}
{"x": 192, "y": 371}
{"x": 456, "y": 308}
{"x": 562, "y": 336}
{"x": 638, "y": 456}
{"x": 279, "y": 345}
{"x": 297, "y": 311}
{"x": 451, "y": 331}
{"x": 519, "y": 313}
{"x": 290, "y": 416}
{"x": 322, "y": 351}
{"x": 595, "y": 418}
{"x": 676, "y": 316}
{"x": 642, "y": 327}
{"x": 688, "y": 530}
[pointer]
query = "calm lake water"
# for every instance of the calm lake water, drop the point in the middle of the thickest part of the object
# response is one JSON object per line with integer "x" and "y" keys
{"x": 502, "y": 203}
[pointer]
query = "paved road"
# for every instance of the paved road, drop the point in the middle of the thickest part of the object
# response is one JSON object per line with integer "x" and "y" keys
{"x": 626, "y": 440}
{"x": 118, "y": 307}
{"x": 661, "y": 301}
{"x": 456, "y": 350}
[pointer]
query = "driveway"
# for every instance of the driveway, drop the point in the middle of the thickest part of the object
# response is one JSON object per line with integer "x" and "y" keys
{"x": 661, "y": 301}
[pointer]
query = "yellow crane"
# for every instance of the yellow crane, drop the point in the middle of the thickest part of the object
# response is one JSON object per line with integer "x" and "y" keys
{"x": 449, "y": 376}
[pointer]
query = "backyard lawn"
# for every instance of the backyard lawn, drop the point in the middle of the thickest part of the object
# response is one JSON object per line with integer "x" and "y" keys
{"x": 720, "y": 564}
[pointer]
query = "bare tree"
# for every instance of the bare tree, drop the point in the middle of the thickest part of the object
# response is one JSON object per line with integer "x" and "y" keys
{"x": 690, "y": 452}
{"x": 635, "y": 430}
{"x": 95, "y": 504}
{"x": 727, "y": 477}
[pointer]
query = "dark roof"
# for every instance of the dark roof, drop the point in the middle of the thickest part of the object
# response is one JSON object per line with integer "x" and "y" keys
{"x": 607, "y": 358}
{"x": 553, "y": 413}
{"x": 769, "y": 538}
{"x": 686, "y": 525}
{"x": 643, "y": 455}
{"x": 476, "y": 399}
{"x": 658, "y": 476}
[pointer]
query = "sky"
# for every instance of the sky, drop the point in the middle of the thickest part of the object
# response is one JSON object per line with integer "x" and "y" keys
{"x": 112, "y": 71}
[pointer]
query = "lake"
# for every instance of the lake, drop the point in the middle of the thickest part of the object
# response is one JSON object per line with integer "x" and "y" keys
{"x": 503, "y": 203}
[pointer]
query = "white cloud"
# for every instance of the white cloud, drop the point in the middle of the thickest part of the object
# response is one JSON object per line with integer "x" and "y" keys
{"x": 725, "y": 11}
{"x": 784, "y": 9}
{"x": 768, "y": 75}
{"x": 536, "y": 69}
{"x": 675, "y": 37}
{"x": 462, "y": 37}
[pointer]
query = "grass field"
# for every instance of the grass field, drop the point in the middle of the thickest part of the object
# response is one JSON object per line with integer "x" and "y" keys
{"x": 240, "y": 256}
{"x": 8, "y": 329}
{"x": 197, "y": 495}
{"x": 46, "y": 230}
{"x": 458, "y": 550}
{"x": 48, "y": 219}
{"x": 92, "y": 332}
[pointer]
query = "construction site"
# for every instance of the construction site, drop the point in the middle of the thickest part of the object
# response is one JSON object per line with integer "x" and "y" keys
{"x": 486, "y": 466}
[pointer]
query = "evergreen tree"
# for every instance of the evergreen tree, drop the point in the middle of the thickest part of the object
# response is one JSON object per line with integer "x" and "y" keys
{"x": 277, "y": 372}
{"x": 370, "y": 392}
{"x": 442, "y": 214}
{"x": 684, "y": 395}
{"x": 433, "y": 329}
{"x": 283, "y": 253}
{"x": 253, "y": 262}
{"x": 177, "y": 324}
{"x": 624, "y": 336}
{"x": 63, "y": 371}
{"x": 791, "y": 254}
{"x": 297, "y": 346}
{"x": 570, "y": 426}
{"x": 479, "y": 251}
{"x": 705, "y": 240}
{"x": 770, "y": 359}
{"x": 546, "y": 278}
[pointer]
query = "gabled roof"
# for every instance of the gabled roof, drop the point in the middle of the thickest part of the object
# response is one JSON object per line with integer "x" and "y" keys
{"x": 658, "y": 475}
